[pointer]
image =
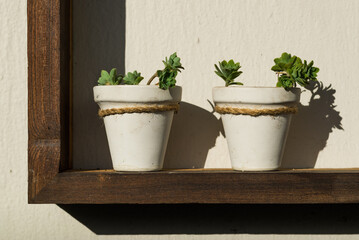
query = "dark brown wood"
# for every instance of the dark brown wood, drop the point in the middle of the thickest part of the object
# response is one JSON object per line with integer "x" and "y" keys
{"x": 48, "y": 99}
{"x": 202, "y": 186}
{"x": 49, "y": 38}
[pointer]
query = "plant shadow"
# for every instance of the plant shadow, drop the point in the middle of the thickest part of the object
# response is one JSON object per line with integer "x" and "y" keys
{"x": 98, "y": 43}
{"x": 311, "y": 127}
{"x": 217, "y": 219}
{"x": 194, "y": 132}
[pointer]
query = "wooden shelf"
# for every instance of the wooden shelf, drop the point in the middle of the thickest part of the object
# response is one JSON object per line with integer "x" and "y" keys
{"x": 203, "y": 186}
{"x": 49, "y": 146}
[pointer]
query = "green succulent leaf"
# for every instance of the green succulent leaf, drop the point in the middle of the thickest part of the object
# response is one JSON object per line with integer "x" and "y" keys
{"x": 104, "y": 77}
{"x": 133, "y": 78}
{"x": 111, "y": 78}
{"x": 292, "y": 71}
{"x": 236, "y": 83}
{"x": 286, "y": 82}
{"x": 167, "y": 76}
{"x": 228, "y": 71}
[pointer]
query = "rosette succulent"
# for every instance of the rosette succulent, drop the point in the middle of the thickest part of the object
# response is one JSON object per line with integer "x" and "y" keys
{"x": 228, "y": 71}
{"x": 291, "y": 70}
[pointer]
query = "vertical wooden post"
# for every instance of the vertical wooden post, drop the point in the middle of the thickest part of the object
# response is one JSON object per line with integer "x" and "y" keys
{"x": 48, "y": 95}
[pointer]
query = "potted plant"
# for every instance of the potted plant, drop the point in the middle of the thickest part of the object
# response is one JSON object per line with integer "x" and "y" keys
{"x": 256, "y": 119}
{"x": 137, "y": 117}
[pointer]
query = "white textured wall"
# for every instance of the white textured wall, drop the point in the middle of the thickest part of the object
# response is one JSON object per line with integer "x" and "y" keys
{"x": 334, "y": 33}
{"x": 254, "y": 32}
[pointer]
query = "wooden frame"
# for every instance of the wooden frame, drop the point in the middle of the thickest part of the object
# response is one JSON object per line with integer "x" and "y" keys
{"x": 51, "y": 179}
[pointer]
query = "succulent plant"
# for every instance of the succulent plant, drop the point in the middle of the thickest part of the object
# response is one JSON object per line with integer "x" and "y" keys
{"x": 167, "y": 76}
{"x": 110, "y": 78}
{"x": 291, "y": 70}
{"x": 228, "y": 71}
{"x": 113, "y": 78}
{"x": 133, "y": 78}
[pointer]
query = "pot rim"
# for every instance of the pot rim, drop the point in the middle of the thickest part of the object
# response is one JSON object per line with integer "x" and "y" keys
{"x": 136, "y": 94}
{"x": 255, "y": 95}
{"x": 132, "y": 86}
{"x": 258, "y": 87}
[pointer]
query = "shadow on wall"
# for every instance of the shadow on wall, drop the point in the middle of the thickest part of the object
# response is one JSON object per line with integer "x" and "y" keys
{"x": 99, "y": 43}
{"x": 194, "y": 132}
{"x": 310, "y": 128}
{"x": 217, "y": 219}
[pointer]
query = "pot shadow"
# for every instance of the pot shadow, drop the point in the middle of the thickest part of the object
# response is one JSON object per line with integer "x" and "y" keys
{"x": 98, "y": 43}
{"x": 194, "y": 132}
{"x": 310, "y": 127}
{"x": 217, "y": 219}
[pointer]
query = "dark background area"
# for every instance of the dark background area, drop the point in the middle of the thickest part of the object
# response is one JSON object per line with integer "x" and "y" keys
{"x": 99, "y": 43}
{"x": 217, "y": 219}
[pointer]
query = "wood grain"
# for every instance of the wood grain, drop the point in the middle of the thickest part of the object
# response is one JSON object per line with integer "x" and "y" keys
{"x": 48, "y": 125}
{"x": 42, "y": 165}
{"x": 48, "y": 101}
{"x": 203, "y": 186}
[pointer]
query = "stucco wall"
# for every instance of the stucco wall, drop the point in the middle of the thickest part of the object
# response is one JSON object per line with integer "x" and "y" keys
{"x": 322, "y": 134}
{"x": 202, "y": 32}
{"x": 254, "y": 33}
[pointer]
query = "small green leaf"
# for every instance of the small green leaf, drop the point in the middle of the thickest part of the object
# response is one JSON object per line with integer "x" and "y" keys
{"x": 109, "y": 79}
{"x": 228, "y": 71}
{"x": 133, "y": 78}
{"x": 113, "y": 76}
{"x": 276, "y": 68}
{"x": 102, "y": 81}
{"x": 236, "y": 83}
{"x": 217, "y": 68}
{"x": 105, "y": 74}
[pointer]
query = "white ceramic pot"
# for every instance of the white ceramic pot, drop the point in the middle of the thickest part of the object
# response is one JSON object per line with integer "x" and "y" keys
{"x": 255, "y": 143}
{"x": 137, "y": 141}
